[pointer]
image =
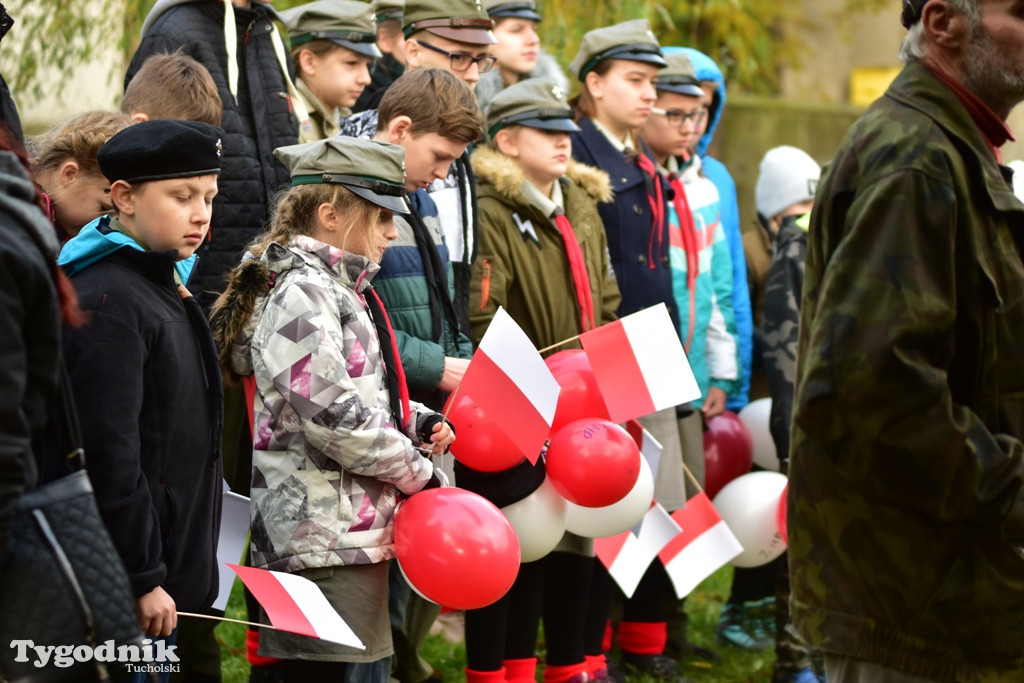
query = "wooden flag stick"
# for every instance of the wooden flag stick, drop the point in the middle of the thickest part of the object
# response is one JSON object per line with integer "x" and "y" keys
{"x": 561, "y": 343}
{"x": 216, "y": 618}
{"x": 692, "y": 478}
{"x": 451, "y": 400}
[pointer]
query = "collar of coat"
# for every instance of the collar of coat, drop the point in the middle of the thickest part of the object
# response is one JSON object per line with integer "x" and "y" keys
{"x": 353, "y": 270}
{"x": 506, "y": 176}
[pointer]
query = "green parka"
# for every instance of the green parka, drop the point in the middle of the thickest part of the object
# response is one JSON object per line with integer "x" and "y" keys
{"x": 906, "y": 518}
{"x": 525, "y": 269}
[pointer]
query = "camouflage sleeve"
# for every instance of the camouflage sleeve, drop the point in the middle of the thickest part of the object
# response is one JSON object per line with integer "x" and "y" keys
{"x": 879, "y": 315}
{"x": 335, "y": 420}
{"x": 779, "y": 336}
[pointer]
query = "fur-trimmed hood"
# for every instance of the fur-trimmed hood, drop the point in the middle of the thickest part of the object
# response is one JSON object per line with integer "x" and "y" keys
{"x": 504, "y": 174}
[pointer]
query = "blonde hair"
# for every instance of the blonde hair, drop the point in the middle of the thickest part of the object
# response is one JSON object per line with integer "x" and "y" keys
{"x": 78, "y": 139}
{"x": 295, "y": 214}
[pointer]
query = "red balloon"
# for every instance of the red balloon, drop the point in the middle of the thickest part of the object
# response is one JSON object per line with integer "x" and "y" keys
{"x": 728, "y": 451}
{"x": 780, "y": 515}
{"x": 593, "y": 462}
{"x": 479, "y": 442}
{"x": 580, "y": 396}
{"x": 456, "y": 548}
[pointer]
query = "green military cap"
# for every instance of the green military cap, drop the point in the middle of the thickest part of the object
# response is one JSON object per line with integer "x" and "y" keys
{"x": 535, "y": 103}
{"x": 346, "y": 23}
{"x": 517, "y": 9}
{"x": 387, "y": 9}
{"x": 461, "y": 20}
{"x": 679, "y": 76}
{"x": 373, "y": 170}
{"x": 632, "y": 40}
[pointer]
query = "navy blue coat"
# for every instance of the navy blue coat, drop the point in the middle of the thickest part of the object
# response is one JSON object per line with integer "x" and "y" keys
{"x": 639, "y": 254}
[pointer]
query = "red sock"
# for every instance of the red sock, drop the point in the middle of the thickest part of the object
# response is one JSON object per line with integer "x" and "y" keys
{"x": 643, "y": 637}
{"x": 597, "y": 665}
{"x": 606, "y": 641}
{"x": 520, "y": 670}
{"x": 563, "y": 674}
{"x": 252, "y": 648}
{"x": 485, "y": 676}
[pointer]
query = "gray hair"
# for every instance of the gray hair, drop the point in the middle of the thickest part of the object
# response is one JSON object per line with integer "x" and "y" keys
{"x": 913, "y": 46}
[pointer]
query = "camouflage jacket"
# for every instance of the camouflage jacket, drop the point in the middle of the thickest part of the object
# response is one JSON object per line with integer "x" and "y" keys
{"x": 329, "y": 466}
{"x": 780, "y": 323}
{"x": 905, "y": 510}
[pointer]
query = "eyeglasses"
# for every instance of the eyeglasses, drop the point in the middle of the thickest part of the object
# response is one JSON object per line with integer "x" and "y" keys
{"x": 676, "y": 117}
{"x": 460, "y": 61}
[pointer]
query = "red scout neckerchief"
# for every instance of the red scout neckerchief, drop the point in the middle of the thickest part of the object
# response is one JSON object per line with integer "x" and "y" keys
{"x": 657, "y": 202}
{"x": 689, "y": 234}
{"x": 398, "y": 390}
{"x": 578, "y": 269}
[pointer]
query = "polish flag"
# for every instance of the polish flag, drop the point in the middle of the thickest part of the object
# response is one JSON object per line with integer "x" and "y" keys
{"x": 705, "y": 545}
{"x": 640, "y": 364}
{"x": 628, "y": 555}
{"x": 648, "y": 445}
{"x": 509, "y": 380}
{"x": 295, "y": 604}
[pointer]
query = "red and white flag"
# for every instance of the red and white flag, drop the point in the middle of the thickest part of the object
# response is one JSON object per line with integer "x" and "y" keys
{"x": 649, "y": 447}
{"x": 705, "y": 545}
{"x": 640, "y": 364}
{"x": 627, "y": 556}
{"x": 509, "y": 380}
{"x": 295, "y": 604}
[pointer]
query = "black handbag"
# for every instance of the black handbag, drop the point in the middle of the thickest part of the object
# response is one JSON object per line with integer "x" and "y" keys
{"x": 62, "y": 582}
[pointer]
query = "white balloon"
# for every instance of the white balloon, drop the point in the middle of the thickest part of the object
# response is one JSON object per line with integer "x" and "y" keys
{"x": 756, "y": 415}
{"x": 748, "y": 506}
{"x": 615, "y": 518}
{"x": 539, "y": 521}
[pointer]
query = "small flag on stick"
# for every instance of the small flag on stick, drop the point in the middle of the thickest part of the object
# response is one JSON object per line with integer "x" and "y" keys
{"x": 640, "y": 364}
{"x": 704, "y": 545}
{"x": 509, "y": 380}
{"x": 628, "y": 555}
{"x": 295, "y": 604}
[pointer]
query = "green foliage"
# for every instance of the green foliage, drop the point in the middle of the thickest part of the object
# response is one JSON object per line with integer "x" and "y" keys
{"x": 751, "y": 40}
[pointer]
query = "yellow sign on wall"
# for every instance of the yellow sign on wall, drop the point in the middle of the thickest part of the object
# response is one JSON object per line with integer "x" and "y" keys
{"x": 867, "y": 84}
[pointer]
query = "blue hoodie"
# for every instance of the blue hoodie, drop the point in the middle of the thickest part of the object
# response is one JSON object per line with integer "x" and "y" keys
{"x": 715, "y": 170}
{"x": 97, "y": 240}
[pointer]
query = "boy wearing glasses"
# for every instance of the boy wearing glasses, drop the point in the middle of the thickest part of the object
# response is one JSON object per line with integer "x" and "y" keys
{"x": 453, "y": 35}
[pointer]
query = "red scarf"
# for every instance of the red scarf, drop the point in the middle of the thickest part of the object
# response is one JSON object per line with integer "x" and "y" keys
{"x": 657, "y": 202}
{"x": 578, "y": 268}
{"x": 689, "y": 233}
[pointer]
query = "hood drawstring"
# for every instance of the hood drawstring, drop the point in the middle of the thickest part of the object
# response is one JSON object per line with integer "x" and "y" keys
{"x": 231, "y": 44}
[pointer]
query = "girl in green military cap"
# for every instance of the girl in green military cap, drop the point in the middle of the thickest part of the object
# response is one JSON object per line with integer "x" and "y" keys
{"x": 337, "y": 442}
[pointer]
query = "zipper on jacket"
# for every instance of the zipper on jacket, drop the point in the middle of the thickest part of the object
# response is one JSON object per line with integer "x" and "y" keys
{"x": 248, "y": 30}
{"x": 287, "y": 98}
{"x": 485, "y": 284}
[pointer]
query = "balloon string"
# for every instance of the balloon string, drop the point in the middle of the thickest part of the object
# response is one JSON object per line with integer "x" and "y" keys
{"x": 561, "y": 343}
{"x": 692, "y": 478}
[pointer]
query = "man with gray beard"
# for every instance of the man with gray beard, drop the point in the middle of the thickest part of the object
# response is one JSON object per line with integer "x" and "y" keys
{"x": 906, "y": 514}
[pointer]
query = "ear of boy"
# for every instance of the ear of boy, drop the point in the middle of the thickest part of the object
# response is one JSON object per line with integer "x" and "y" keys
{"x": 122, "y": 197}
{"x": 397, "y": 129}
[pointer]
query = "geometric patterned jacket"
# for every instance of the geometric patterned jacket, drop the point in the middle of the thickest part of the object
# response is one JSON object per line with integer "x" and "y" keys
{"x": 329, "y": 465}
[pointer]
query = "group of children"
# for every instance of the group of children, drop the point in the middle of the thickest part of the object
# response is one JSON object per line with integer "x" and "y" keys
{"x": 352, "y": 245}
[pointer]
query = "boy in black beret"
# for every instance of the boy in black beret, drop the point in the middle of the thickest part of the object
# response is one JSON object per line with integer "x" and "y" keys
{"x": 144, "y": 368}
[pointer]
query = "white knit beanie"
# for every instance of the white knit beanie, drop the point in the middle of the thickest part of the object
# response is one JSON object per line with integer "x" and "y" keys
{"x": 787, "y": 176}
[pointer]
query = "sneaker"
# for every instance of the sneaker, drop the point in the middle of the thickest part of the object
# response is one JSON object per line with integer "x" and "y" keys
{"x": 762, "y": 620}
{"x": 738, "y": 629}
{"x": 804, "y": 675}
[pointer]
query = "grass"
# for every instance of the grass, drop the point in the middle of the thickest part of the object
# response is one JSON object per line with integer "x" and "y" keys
{"x": 703, "y": 607}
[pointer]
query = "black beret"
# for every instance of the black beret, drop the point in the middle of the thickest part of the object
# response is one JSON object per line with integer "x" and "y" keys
{"x": 161, "y": 149}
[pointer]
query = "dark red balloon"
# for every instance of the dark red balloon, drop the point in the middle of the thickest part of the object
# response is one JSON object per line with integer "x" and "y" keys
{"x": 728, "y": 451}
{"x": 592, "y": 462}
{"x": 780, "y": 515}
{"x": 479, "y": 442}
{"x": 456, "y": 548}
{"x": 580, "y": 396}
